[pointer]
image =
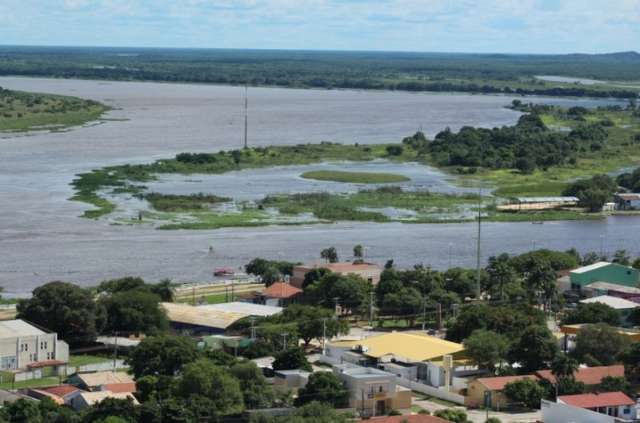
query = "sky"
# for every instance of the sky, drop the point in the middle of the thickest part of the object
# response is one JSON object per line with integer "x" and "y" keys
{"x": 483, "y": 26}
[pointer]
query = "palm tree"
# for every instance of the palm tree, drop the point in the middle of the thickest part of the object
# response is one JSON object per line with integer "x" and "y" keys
{"x": 563, "y": 367}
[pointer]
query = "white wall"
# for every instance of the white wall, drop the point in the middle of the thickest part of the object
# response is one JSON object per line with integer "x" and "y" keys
{"x": 562, "y": 413}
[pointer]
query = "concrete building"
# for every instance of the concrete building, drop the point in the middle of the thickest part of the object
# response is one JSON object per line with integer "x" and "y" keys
{"x": 372, "y": 392}
{"x": 279, "y": 294}
{"x": 604, "y": 272}
{"x": 413, "y": 357}
{"x": 367, "y": 271}
{"x": 629, "y": 201}
{"x": 291, "y": 379}
{"x": 608, "y": 407}
{"x": 26, "y": 347}
{"x": 489, "y": 390}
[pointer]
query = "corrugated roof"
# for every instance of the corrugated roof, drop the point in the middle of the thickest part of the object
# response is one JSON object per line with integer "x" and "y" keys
{"x": 604, "y": 399}
{"x": 629, "y": 196}
{"x": 281, "y": 290}
{"x": 587, "y": 375}
{"x": 609, "y": 286}
{"x": 104, "y": 378}
{"x": 591, "y": 267}
{"x": 199, "y": 316}
{"x": 120, "y": 387}
{"x": 410, "y": 346}
{"x": 498, "y": 383}
{"x": 613, "y": 302}
{"x": 61, "y": 390}
{"x": 247, "y": 309}
{"x": 13, "y": 328}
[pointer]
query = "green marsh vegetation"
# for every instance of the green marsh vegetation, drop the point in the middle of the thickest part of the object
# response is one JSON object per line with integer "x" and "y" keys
{"x": 548, "y": 149}
{"x": 355, "y": 177}
{"x": 23, "y": 111}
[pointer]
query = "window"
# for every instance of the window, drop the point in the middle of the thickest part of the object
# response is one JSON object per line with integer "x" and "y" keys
{"x": 380, "y": 389}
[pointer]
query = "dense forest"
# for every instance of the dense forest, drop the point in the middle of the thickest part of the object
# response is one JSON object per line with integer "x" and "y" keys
{"x": 495, "y": 73}
{"x": 526, "y": 146}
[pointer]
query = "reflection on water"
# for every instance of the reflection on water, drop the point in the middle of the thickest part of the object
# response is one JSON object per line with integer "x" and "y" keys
{"x": 42, "y": 239}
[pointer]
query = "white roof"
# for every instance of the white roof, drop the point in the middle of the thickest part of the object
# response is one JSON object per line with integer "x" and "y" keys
{"x": 91, "y": 398}
{"x": 613, "y": 302}
{"x": 104, "y": 378}
{"x": 248, "y": 309}
{"x": 13, "y": 328}
{"x": 591, "y": 267}
{"x": 200, "y": 316}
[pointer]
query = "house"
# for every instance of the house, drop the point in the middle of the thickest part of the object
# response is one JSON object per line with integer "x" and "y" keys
{"x": 562, "y": 412}
{"x": 367, "y": 271}
{"x": 279, "y": 294}
{"x": 490, "y": 390}
{"x": 24, "y": 346}
{"x": 413, "y": 357}
{"x": 89, "y": 399}
{"x": 101, "y": 381}
{"x": 590, "y": 376}
{"x": 614, "y": 404}
{"x": 372, "y": 392}
{"x": 627, "y": 201}
{"x": 61, "y": 394}
{"x": 604, "y": 272}
{"x": 622, "y": 306}
{"x": 409, "y": 418}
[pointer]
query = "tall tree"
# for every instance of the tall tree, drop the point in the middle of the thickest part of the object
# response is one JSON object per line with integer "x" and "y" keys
{"x": 66, "y": 309}
{"x": 134, "y": 311}
{"x": 487, "y": 349}
{"x": 290, "y": 359}
{"x": 324, "y": 387}
{"x": 535, "y": 348}
{"x": 203, "y": 378}
{"x": 599, "y": 344}
{"x": 329, "y": 254}
{"x": 358, "y": 254}
{"x": 162, "y": 356}
{"x": 593, "y": 313}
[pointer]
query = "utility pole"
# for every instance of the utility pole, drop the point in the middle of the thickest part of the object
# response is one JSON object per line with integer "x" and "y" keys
{"x": 424, "y": 312}
{"x": 253, "y": 328}
{"x": 246, "y": 114}
{"x": 115, "y": 349}
{"x": 439, "y": 322}
{"x": 324, "y": 333}
{"x": 371, "y": 309}
{"x": 336, "y": 300}
{"x": 478, "y": 291}
{"x": 284, "y": 340}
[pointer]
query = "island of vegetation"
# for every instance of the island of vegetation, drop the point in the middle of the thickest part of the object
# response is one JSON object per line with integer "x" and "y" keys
{"x": 23, "y": 111}
{"x": 616, "y": 74}
{"x": 355, "y": 177}
{"x": 551, "y": 151}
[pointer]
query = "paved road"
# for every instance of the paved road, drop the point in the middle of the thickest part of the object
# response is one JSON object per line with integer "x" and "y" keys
{"x": 479, "y": 416}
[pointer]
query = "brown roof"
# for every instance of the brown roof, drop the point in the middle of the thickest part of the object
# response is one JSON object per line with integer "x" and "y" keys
{"x": 498, "y": 383}
{"x": 281, "y": 290}
{"x": 120, "y": 387}
{"x": 45, "y": 363}
{"x": 61, "y": 390}
{"x": 605, "y": 399}
{"x": 413, "y": 418}
{"x": 588, "y": 375}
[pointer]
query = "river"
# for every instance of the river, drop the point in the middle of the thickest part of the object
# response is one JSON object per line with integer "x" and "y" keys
{"x": 42, "y": 238}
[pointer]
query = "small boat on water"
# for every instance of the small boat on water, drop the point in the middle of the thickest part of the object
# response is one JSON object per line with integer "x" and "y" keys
{"x": 537, "y": 222}
{"x": 223, "y": 271}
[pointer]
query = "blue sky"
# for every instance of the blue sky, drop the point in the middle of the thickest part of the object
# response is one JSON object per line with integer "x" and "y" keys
{"x": 531, "y": 26}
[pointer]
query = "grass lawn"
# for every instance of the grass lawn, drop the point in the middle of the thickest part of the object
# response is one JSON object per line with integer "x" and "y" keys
{"x": 83, "y": 360}
{"x": 354, "y": 177}
{"x": 46, "y": 381}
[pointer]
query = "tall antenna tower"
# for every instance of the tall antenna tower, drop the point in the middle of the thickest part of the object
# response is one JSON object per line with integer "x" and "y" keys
{"x": 246, "y": 114}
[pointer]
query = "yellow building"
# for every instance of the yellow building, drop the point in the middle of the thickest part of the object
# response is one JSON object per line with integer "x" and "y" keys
{"x": 491, "y": 389}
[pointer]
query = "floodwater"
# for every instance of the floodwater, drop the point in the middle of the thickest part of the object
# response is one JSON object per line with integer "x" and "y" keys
{"x": 42, "y": 238}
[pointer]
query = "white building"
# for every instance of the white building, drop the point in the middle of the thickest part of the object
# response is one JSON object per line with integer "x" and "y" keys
{"x": 606, "y": 407}
{"x": 24, "y": 346}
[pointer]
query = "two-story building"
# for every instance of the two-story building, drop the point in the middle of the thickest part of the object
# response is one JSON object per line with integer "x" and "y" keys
{"x": 372, "y": 392}
{"x": 24, "y": 346}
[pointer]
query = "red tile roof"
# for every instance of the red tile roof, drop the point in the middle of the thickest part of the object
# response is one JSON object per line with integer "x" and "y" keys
{"x": 498, "y": 383}
{"x": 588, "y": 375}
{"x": 281, "y": 290}
{"x": 60, "y": 391}
{"x": 116, "y": 388}
{"x": 605, "y": 399}
{"x": 414, "y": 418}
{"x": 45, "y": 363}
